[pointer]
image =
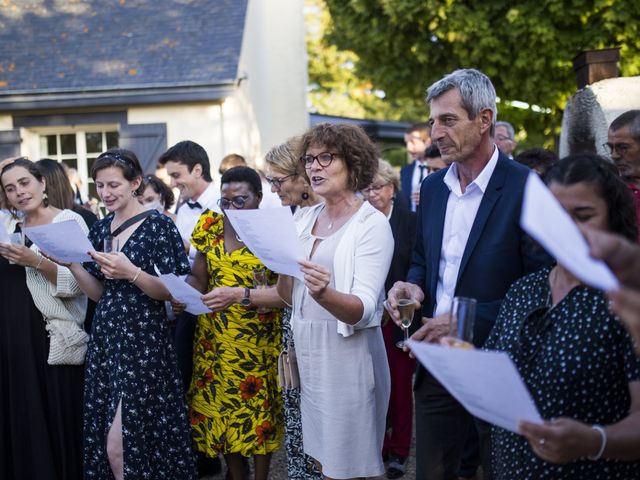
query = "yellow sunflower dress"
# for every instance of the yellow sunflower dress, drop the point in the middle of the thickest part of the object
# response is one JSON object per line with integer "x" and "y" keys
{"x": 234, "y": 398}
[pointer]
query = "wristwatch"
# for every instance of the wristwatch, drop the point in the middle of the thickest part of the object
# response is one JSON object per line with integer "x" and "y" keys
{"x": 246, "y": 300}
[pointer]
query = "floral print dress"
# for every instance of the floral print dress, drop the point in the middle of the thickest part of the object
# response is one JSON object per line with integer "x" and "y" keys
{"x": 234, "y": 397}
{"x": 131, "y": 359}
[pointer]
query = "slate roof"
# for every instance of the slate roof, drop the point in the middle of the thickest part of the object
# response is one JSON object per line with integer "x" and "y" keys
{"x": 96, "y": 45}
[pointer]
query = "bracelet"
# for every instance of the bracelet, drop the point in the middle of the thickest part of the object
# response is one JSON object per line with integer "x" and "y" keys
{"x": 133, "y": 280}
{"x": 603, "y": 444}
{"x": 39, "y": 262}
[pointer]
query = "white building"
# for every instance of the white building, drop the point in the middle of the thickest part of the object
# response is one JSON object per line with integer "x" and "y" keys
{"x": 80, "y": 77}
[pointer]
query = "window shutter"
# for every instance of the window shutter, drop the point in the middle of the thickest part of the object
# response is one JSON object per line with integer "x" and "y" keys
{"x": 147, "y": 141}
{"x": 9, "y": 143}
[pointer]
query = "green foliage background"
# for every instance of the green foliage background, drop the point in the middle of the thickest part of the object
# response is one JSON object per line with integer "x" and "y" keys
{"x": 361, "y": 48}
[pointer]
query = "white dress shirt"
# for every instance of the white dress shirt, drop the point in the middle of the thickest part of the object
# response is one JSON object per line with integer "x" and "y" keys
{"x": 416, "y": 181}
{"x": 460, "y": 215}
{"x": 187, "y": 217}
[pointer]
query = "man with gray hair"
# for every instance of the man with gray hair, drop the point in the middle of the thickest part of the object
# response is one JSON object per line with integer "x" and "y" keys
{"x": 623, "y": 144}
{"x": 505, "y": 138}
{"x": 468, "y": 244}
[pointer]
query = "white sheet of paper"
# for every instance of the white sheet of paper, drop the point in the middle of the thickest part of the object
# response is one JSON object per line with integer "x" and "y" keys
{"x": 271, "y": 236}
{"x": 545, "y": 220}
{"x": 184, "y": 293}
{"x": 4, "y": 234}
{"x": 64, "y": 241}
{"x": 487, "y": 384}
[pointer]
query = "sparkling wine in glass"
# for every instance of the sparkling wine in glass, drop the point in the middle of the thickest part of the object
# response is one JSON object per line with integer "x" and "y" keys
{"x": 406, "y": 308}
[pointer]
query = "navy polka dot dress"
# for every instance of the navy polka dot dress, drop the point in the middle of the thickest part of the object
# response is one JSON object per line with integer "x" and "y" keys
{"x": 131, "y": 358}
{"x": 577, "y": 361}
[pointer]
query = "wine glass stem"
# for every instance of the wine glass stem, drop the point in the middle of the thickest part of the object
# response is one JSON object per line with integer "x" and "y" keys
{"x": 406, "y": 335}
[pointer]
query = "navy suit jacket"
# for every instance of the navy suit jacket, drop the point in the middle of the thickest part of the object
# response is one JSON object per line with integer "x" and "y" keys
{"x": 498, "y": 252}
{"x": 406, "y": 175}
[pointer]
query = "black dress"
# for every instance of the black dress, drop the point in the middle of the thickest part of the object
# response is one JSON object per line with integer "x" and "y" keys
{"x": 131, "y": 358}
{"x": 577, "y": 361}
{"x": 40, "y": 404}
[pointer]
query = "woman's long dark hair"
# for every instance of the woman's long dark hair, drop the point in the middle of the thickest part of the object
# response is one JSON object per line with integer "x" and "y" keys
{"x": 605, "y": 178}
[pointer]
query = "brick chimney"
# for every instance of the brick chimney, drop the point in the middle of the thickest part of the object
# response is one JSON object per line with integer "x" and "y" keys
{"x": 594, "y": 65}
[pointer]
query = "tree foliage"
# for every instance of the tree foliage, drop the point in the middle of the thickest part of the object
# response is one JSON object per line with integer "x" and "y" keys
{"x": 525, "y": 47}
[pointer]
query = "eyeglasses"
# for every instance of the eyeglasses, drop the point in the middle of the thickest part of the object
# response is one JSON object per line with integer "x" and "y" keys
{"x": 375, "y": 188}
{"x": 238, "y": 202}
{"x": 619, "y": 148}
{"x": 278, "y": 181}
{"x": 324, "y": 159}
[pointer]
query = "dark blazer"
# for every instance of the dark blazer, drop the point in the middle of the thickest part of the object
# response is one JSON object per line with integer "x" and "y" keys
{"x": 406, "y": 175}
{"x": 403, "y": 228}
{"x": 498, "y": 252}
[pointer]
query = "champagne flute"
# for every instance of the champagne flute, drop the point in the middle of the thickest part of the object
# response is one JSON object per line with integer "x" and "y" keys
{"x": 461, "y": 321}
{"x": 260, "y": 282}
{"x": 406, "y": 308}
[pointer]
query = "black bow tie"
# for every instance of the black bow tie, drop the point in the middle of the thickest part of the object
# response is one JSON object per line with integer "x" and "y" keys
{"x": 194, "y": 205}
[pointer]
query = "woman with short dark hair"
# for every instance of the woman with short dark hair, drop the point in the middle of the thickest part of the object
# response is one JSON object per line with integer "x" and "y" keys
{"x": 234, "y": 399}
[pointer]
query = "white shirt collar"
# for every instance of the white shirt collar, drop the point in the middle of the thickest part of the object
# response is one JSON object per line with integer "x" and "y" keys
{"x": 452, "y": 181}
{"x": 208, "y": 198}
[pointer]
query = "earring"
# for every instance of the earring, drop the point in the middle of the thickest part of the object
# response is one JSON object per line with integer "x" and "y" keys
{"x": 45, "y": 199}
{"x": 133, "y": 193}
{"x": 305, "y": 196}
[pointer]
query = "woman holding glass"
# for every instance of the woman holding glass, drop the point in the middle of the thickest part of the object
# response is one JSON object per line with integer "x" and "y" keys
{"x": 234, "y": 398}
{"x": 383, "y": 195}
{"x": 285, "y": 174}
{"x": 573, "y": 354}
{"x": 41, "y": 401}
{"x": 337, "y": 309}
{"x": 135, "y": 415}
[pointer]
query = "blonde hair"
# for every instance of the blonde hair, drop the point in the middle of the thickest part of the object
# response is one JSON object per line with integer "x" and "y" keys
{"x": 388, "y": 174}
{"x": 284, "y": 157}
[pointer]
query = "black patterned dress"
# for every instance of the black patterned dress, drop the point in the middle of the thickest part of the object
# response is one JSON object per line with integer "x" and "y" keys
{"x": 131, "y": 358}
{"x": 577, "y": 361}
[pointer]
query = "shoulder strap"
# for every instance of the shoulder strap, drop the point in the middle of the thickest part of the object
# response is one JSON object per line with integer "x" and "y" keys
{"x": 131, "y": 221}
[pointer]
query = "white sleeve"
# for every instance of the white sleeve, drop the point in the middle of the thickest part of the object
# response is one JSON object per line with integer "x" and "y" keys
{"x": 373, "y": 254}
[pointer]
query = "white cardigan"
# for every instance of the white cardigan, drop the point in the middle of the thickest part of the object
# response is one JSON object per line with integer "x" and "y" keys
{"x": 361, "y": 262}
{"x": 63, "y": 302}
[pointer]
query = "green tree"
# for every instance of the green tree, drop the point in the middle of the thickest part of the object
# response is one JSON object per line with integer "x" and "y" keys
{"x": 526, "y": 47}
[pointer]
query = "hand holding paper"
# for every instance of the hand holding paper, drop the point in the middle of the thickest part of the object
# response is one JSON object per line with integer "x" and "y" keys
{"x": 546, "y": 221}
{"x": 64, "y": 241}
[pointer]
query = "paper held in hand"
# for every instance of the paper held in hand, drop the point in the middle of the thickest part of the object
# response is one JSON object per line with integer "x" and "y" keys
{"x": 487, "y": 384}
{"x": 546, "y": 221}
{"x": 4, "y": 234}
{"x": 64, "y": 241}
{"x": 271, "y": 235}
{"x": 184, "y": 293}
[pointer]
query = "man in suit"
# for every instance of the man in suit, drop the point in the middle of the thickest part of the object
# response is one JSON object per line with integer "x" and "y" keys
{"x": 417, "y": 139}
{"x": 468, "y": 243}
